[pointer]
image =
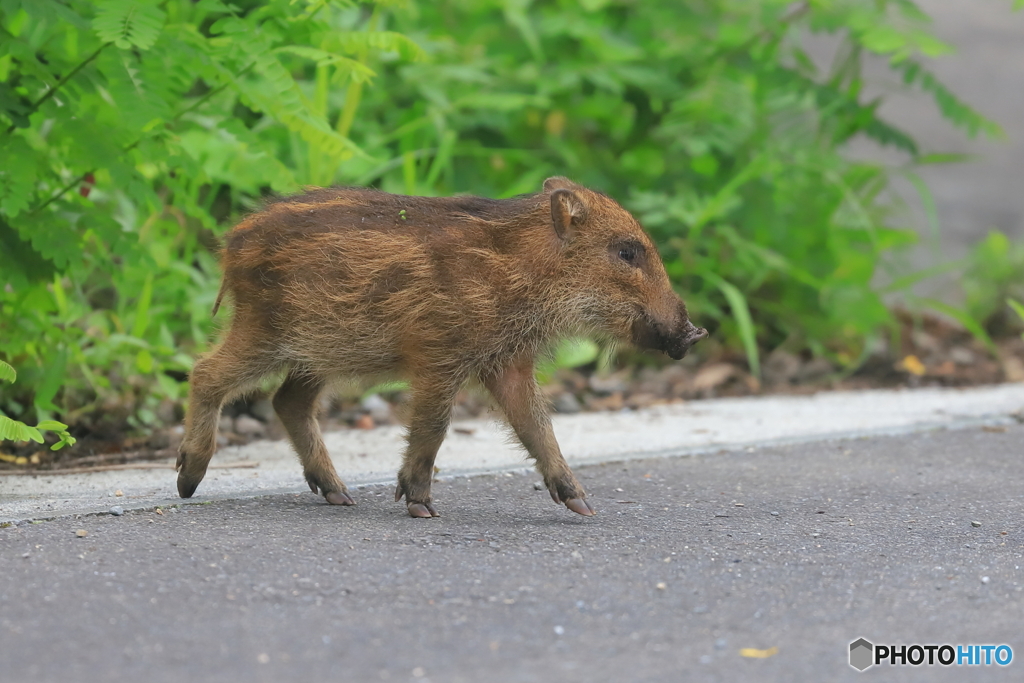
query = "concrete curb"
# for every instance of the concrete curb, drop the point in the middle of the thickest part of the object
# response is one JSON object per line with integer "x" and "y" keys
{"x": 476, "y": 447}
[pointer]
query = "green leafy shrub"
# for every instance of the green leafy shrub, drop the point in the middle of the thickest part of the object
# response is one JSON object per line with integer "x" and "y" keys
{"x": 707, "y": 118}
{"x": 133, "y": 132}
{"x": 14, "y": 430}
{"x": 994, "y": 274}
{"x": 130, "y": 132}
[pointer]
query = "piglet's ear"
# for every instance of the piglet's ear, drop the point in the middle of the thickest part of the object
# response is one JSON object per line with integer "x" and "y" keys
{"x": 567, "y": 213}
{"x": 558, "y": 183}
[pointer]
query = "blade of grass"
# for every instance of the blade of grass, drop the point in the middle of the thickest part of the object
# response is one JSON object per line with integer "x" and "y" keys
{"x": 913, "y": 278}
{"x": 142, "y": 308}
{"x": 741, "y": 313}
{"x": 965, "y": 319}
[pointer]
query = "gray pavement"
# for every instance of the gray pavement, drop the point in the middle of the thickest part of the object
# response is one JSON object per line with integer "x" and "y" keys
{"x": 800, "y": 547}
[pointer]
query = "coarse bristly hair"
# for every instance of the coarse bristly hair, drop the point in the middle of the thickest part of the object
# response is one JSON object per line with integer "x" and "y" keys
{"x": 352, "y": 282}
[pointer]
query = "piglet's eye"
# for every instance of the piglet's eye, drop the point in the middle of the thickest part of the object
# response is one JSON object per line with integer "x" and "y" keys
{"x": 628, "y": 254}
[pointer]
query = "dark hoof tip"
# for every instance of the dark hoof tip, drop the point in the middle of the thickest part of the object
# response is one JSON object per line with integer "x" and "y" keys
{"x": 423, "y": 510}
{"x": 186, "y": 488}
{"x": 339, "y": 498}
{"x": 580, "y": 507}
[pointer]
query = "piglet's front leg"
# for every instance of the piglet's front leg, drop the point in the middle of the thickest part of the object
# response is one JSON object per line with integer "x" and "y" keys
{"x": 516, "y": 391}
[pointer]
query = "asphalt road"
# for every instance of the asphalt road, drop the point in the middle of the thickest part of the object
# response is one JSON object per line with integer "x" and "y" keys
{"x": 802, "y": 548}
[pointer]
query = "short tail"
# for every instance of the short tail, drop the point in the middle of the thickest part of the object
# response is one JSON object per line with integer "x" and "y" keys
{"x": 220, "y": 295}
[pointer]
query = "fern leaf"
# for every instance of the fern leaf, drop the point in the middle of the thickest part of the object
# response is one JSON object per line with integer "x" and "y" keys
{"x": 129, "y": 23}
{"x": 18, "y": 431}
{"x": 359, "y": 72}
{"x": 7, "y": 372}
{"x": 354, "y": 42}
{"x": 952, "y": 108}
{"x": 17, "y": 176}
{"x": 277, "y": 95}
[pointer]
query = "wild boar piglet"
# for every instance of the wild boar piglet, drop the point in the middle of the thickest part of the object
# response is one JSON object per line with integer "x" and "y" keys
{"x": 357, "y": 283}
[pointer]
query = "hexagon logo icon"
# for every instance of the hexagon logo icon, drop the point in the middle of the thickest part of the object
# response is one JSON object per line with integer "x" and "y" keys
{"x": 861, "y": 654}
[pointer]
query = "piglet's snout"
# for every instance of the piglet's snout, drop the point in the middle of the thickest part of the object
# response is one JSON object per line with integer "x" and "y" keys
{"x": 685, "y": 337}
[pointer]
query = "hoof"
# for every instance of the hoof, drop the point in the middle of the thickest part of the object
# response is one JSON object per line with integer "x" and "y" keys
{"x": 425, "y": 510}
{"x": 339, "y": 498}
{"x": 186, "y": 487}
{"x": 581, "y": 507}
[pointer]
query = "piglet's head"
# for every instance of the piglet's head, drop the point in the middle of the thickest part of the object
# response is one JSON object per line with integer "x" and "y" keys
{"x": 612, "y": 276}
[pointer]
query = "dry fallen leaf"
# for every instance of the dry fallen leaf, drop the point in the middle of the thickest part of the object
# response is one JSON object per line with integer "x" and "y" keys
{"x": 754, "y": 653}
{"x": 913, "y": 365}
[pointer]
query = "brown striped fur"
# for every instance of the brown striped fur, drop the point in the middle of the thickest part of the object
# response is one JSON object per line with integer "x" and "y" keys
{"x": 354, "y": 283}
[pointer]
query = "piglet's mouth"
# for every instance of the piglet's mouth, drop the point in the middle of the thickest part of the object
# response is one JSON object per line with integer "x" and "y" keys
{"x": 678, "y": 346}
{"x": 649, "y": 335}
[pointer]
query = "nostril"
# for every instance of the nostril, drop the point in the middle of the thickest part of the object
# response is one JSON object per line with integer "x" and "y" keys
{"x": 695, "y": 335}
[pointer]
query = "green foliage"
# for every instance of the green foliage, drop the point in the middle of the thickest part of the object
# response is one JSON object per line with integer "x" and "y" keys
{"x": 994, "y": 273}
{"x": 1018, "y": 308}
{"x": 127, "y": 23}
{"x": 131, "y": 133}
{"x": 708, "y": 119}
{"x": 569, "y": 353}
{"x": 134, "y": 132}
{"x": 15, "y": 430}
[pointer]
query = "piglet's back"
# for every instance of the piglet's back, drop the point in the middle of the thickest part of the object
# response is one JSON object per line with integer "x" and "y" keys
{"x": 364, "y": 272}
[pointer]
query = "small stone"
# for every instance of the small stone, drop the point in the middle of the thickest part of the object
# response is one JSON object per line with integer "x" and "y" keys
{"x": 705, "y": 659}
{"x": 962, "y": 356}
{"x": 117, "y": 510}
{"x": 721, "y": 643}
{"x": 159, "y": 440}
{"x": 641, "y": 400}
{"x": 567, "y": 403}
{"x": 608, "y": 385}
{"x": 262, "y": 410}
{"x": 263, "y": 658}
{"x": 119, "y": 493}
{"x": 781, "y": 367}
{"x": 26, "y": 555}
{"x": 377, "y": 407}
{"x": 925, "y": 341}
{"x": 559, "y": 631}
{"x": 975, "y": 524}
{"x": 81, "y": 533}
{"x": 364, "y": 422}
{"x": 418, "y": 672}
{"x": 775, "y": 514}
{"x": 226, "y": 424}
{"x": 714, "y": 375}
{"x": 814, "y": 370}
{"x": 985, "y": 579}
{"x": 250, "y": 427}
{"x": 661, "y": 585}
{"x": 612, "y": 402}
{"x": 1013, "y": 367}
{"x": 167, "y": 411}
{"x": 538, "y": 486}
